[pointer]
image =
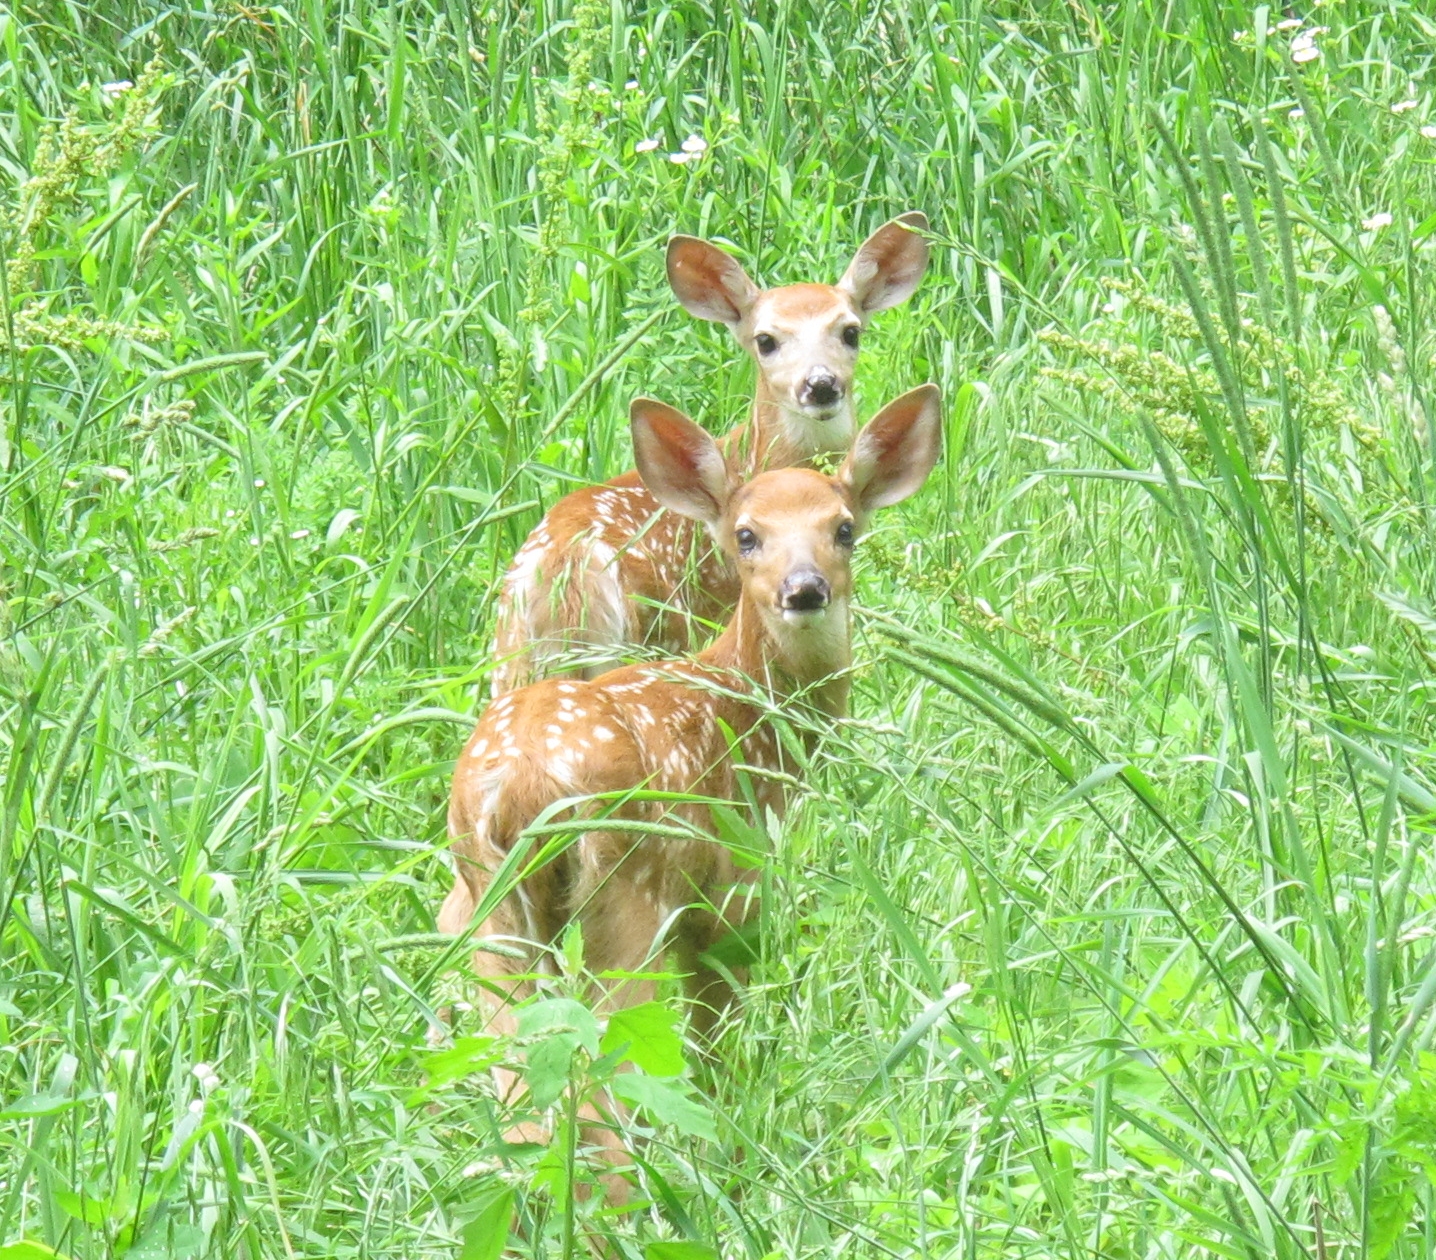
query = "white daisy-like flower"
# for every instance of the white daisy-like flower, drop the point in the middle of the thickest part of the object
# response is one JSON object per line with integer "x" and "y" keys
{"x": 695, "y": 144}
{"x": 1288, "y": 24}
{"x": 646, "y": 146}
{"x": 631, "y": 85}
{"x": 1303, "y": 47}
{"x": 678, "y": 159}
{"x": 1402, "y": 106}
{"x": 1377, "y": 221}
{"x": 1429, "y": 132}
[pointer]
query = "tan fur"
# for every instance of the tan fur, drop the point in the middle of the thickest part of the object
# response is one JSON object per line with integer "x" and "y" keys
{"x": 664, "y": 727}
{"x": 607, "y": 566}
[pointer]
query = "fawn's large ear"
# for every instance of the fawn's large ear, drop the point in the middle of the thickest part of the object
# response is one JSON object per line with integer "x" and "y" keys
{"x": 709, "y": 283}
{"x": 679, "y": 463}
{"x": 895, "y": 451}
{"x": 889, "y": 264}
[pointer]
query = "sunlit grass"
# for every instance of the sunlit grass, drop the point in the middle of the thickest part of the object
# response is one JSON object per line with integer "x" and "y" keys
{"x": 302, "y": 330}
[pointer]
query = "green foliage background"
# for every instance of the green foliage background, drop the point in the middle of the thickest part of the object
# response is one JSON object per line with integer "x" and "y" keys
{"x": 303, "y": 328}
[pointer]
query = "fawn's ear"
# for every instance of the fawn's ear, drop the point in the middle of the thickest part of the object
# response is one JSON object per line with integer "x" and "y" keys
{"x": 679, "y": 463}
{"x": 888, "y": 265}
{"x": 709, "y": 283}
{"x": 895, "y": 451}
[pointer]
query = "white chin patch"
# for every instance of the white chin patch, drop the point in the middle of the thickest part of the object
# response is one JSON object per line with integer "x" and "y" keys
{"x": 804, "y": 616}
{"x": 819, "y": 430}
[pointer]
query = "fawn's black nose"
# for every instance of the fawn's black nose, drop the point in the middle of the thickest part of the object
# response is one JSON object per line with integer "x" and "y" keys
{"x": 821, "y": 389}
{"x": 807, "y": 590}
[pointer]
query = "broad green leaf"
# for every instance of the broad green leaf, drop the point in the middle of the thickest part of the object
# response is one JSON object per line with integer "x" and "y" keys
{"x": 488, "y": 1232}
{"x": 554, "y": 1028}
{"x": 679, "y": 1251}
{"x": 648, "y": 1036}
{"x": 168, "y": 1239}
{"x": 37, "y": 1105}
{"x": 666, "y": 1102}
{"x": 559, "y": 1017}
{"x": 90, "y": 1210}
{"x": 29, "y": 1251}
{"x": 467, "y": 1056}
{"x": 547, "y": 1068}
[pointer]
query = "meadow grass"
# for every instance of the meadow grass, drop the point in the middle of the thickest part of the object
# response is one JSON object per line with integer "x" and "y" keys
{"x": 1104, "y": 928}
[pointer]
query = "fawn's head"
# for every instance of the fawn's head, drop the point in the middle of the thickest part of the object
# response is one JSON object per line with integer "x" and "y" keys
{"x": 804, "y": 337}
{"x": 791, "y": 531}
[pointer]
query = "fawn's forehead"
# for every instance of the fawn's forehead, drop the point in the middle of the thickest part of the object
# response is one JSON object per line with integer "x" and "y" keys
{"x": 797, "y": 306}
{"x": 793, "y": 495}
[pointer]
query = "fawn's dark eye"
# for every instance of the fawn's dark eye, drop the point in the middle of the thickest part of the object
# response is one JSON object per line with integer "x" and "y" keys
{"x": 845, "y": 534}
{"x": 766, "y": 344}
{"x": 850, "y": 335}
{"x": 747, "y": 541}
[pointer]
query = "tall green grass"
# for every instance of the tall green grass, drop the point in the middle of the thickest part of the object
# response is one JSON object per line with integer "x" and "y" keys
{"x": 1104, "y": 928}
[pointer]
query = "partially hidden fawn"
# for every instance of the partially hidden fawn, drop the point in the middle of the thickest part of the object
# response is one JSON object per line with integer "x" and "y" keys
{"x": 605, "y": 568}
{"x": 665, "y": 726}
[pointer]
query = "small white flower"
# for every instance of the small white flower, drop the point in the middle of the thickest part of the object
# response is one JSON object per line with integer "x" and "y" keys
{"x": 1297, "y": 114}
{"x": 645, "y": 146}
{"x": 259, "y": 483}
{"x": 1288, "y": 24}
{"x": 1402, "y": 106}
{"x": 631, "y": 85}
{"x": 206, "y": 1076}
{"x": 1377, "y": 221}
{"x": 679, "y": 158}
{"x": 253, "y": 541}
{"x": 1303, "y": 47}
{"x": 1429, "y": 132}
{"x": 298, "y": 534}
{"x": 1238, "y": 36}
{"x": 117, "y": 88}
{"x": 694, "y": 144}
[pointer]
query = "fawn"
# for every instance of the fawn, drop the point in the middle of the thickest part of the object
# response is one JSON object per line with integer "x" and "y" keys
{"x": 665, "y": 726}
{"x": 605, "y": 567}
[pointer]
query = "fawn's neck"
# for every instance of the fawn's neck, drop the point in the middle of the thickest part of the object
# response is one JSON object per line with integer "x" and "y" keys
{"x": 774, "y": 436}
{"x": 787, "y": 659}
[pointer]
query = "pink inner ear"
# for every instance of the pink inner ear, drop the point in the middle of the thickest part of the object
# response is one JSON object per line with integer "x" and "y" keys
{"x": 708, "y": 282}
{"x": 677, "y": 439}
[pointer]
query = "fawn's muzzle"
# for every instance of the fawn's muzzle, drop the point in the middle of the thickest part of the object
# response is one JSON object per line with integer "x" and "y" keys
{"x": 821, "y": 389}
{"x": 804, "y": 591}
